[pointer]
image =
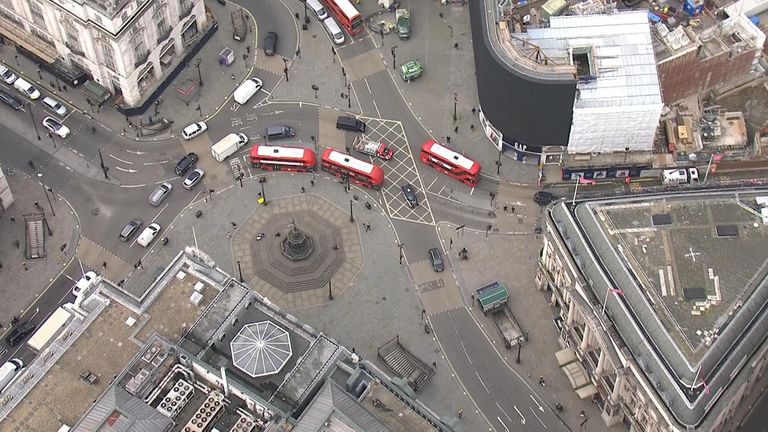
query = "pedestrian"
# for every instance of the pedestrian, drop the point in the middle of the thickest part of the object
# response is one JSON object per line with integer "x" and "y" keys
{"x": 440, "y": 15}
{"x": 448, "y": 139}
{"x": 434, "y": 364}
{"x": 24, "y": 263}
{"x": 472, "y": 127}
{"x": 460, "y": 414}
{"x": 456, "y": 45}
{"x": 312, "y": 182}
{"x": 582, "y": 414}
{"x": 17, "y": 243}
{"x": 104, "y": 265}
{"x": 456, "y": 129}
{"x": 473, "y": 299}
{"x": 233, "y": 77}
{"x": 298, "y": 53}
{"x": 1, "y": 266}
{"x": 336, "y": 247}
{"x": 506, "y": 208}
{"x": 542, "y": 382}
{"x": 13, "y": 220}
{"x": 37, "y": 204}
{"x": 303, "y": 190}
{"x": 513, "y": 209}
{"x": 229, "y": 235}
{"x": 296, "y": 15}
{"x": 93, "y": 128}
{"x": 474, "y": 110}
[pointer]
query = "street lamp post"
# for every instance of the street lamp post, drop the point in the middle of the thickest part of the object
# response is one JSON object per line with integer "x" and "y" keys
{"x": 29, "y": 107}
{"x": 314, "y": 141}
{"x": 315, "y": 88}
{"x": 498, "y": 163}
{"x": 330, "y": 291}
{"x": 199, "y": 75}
{"x": 263, "y": 194}
{"x": 45, "y": 191}
{"x": 349, "y": 95}
{"x": 351, "y": 215}
{"x": 394, "y": 62}
{"x": 487, "y": 230}
{"x": 455, "y": 101}
{"x": 103, "y": 167}
{"x": 519, "y": 346}
{"x": 240, "y": 271}
{"x": 401, "y": 252}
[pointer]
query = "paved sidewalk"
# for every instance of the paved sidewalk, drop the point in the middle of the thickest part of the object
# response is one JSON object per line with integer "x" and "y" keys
{"x": 22, "y": 280}
{"x": 217, "y": 82}
{"x": 511, "y": 260}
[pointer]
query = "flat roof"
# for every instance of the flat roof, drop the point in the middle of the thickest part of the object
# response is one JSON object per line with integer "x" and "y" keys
{"x": 691, "y": 269}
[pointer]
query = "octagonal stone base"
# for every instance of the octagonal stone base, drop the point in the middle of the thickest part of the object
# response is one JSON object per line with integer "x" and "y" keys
{"x": 298, "y": 283}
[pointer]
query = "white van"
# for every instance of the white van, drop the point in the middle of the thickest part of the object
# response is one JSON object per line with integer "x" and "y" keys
{"x": 318, "y": 9}
{"x": 8, "y": 372}
{"x": 149, "y": 234}
{"x": 55, "y": 105}
{"x": 334, "y": 30}
{"x": 246, "y": 90}
{"x": 26, "y": 88}
{"x": 678, "y": 176}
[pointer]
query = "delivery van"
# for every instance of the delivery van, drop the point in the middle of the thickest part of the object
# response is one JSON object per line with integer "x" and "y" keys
{"x": 8, "y": 372}
{"x": 318, "y": 9}
{"x": 334, "y": 30}
{"x": 228, "y": 145}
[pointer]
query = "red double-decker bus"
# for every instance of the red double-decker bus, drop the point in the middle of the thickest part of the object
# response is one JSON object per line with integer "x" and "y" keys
{"x": 449, "y": 162}
{"x": 347, "y": 15}
{"x": 346, "y": 167}
{"x": 276, "y": 158}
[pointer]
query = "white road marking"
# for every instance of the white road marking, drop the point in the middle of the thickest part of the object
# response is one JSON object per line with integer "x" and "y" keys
{"x": 465, "y": 352}
{"x": 481, "y": 382}
{"x": 541, "y": 408}
{"x": 471, "y": 191}
{"x": 136, "y": 152}
{"x": 502, "y": 423}
{"x": 376, "y": 107}
{"x": 121, "y": 160}
{"x": 366, "y": 84}
{"x": 522, "y": 419}
{"x": 132, "y": 186}
{"x": 505, "y": 413}
{"x": 126, "y": 170}
{"x": 156, "y": 163}
{"x": 537, "y": 417}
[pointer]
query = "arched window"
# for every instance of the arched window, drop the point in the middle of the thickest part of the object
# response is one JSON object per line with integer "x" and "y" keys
{"x": 107, "y": 55}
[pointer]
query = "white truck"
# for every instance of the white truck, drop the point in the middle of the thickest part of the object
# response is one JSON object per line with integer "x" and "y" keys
{"x": 373, "y": 148}
{"x": 8, "y": 372}
{"x": 228, "y": 145}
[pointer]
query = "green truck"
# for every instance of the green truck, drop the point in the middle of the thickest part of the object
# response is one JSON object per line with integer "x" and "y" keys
{"x": 411, "y": 70}
{"x": 403, "y": 23}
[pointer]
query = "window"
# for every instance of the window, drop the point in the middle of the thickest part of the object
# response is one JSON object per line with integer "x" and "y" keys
{"x": 37, "y": 13}
{"x": 107, "y": 55}
{"x": 140, "y": 51}
{"x": 72, "y": 42}
{"x": 161, "y": 21}
{"x": 41, "y": 35}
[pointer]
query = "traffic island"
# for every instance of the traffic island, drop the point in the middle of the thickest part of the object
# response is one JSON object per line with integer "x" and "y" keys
{"x": 276, "y": 260}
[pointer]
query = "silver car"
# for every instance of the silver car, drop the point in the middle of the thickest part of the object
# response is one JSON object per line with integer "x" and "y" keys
{"x": 193, "y": 178}
{"x": 160, "y": 193}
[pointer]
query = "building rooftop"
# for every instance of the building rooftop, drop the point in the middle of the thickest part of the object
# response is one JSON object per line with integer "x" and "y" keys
{"x": 692, "y": 273}
{"x": 612, "y": 55}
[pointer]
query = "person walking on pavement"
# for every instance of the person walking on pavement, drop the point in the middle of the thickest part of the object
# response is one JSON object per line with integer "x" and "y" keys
{"x": 541, "y": 381}
{"x": 473, "y": 298}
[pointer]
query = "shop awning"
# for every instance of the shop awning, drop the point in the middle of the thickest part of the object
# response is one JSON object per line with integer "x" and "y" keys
{"x": 27, "y": 41}
{"x": 576, "y": 374}
{"x": 565, "y": 356}
{"x": 586, "y": 391}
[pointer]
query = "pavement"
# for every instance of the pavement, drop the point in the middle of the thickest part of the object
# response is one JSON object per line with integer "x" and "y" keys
{"x": 22, "y": 281}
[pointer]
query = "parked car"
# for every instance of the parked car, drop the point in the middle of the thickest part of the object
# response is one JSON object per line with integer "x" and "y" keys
{"x": 543, "y": 198}
{"x": 26, "y": 88}
{"x": 270, "y": 43}
{"x": 246, "y": 90}
{"x": 186, "y": 163}
{"x": 10, "y": 100}
{"x": 8, "y": 76}
{"x": 160, "y": 193}
{"x": 55, "y": 105}
{"x": 19, "y": 332}
{"x": 193, "y": 178}
{"x": 193, "y": 130}
{"x": 130, "y": 229}
{"x": 149, "y": 234}
{"x": 436, "y": 258}
{"x": 56, "y": 127}
{"x": 409, "y": 192}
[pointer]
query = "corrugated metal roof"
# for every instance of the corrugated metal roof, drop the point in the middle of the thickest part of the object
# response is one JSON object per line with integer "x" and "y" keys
{"x": 119, "y": 411}
{"x": 620, "y": 51}
{"x": 334, "y": 404}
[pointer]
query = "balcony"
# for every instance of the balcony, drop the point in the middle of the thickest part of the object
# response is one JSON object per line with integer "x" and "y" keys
{"x": 186, "y": 10}
{"x": 74, "y": 47}
{"x": 140, "y": 58}
{"x": 163, "y": 34}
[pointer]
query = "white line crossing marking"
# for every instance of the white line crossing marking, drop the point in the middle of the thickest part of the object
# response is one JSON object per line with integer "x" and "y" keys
{"x": 537, "y": 417}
